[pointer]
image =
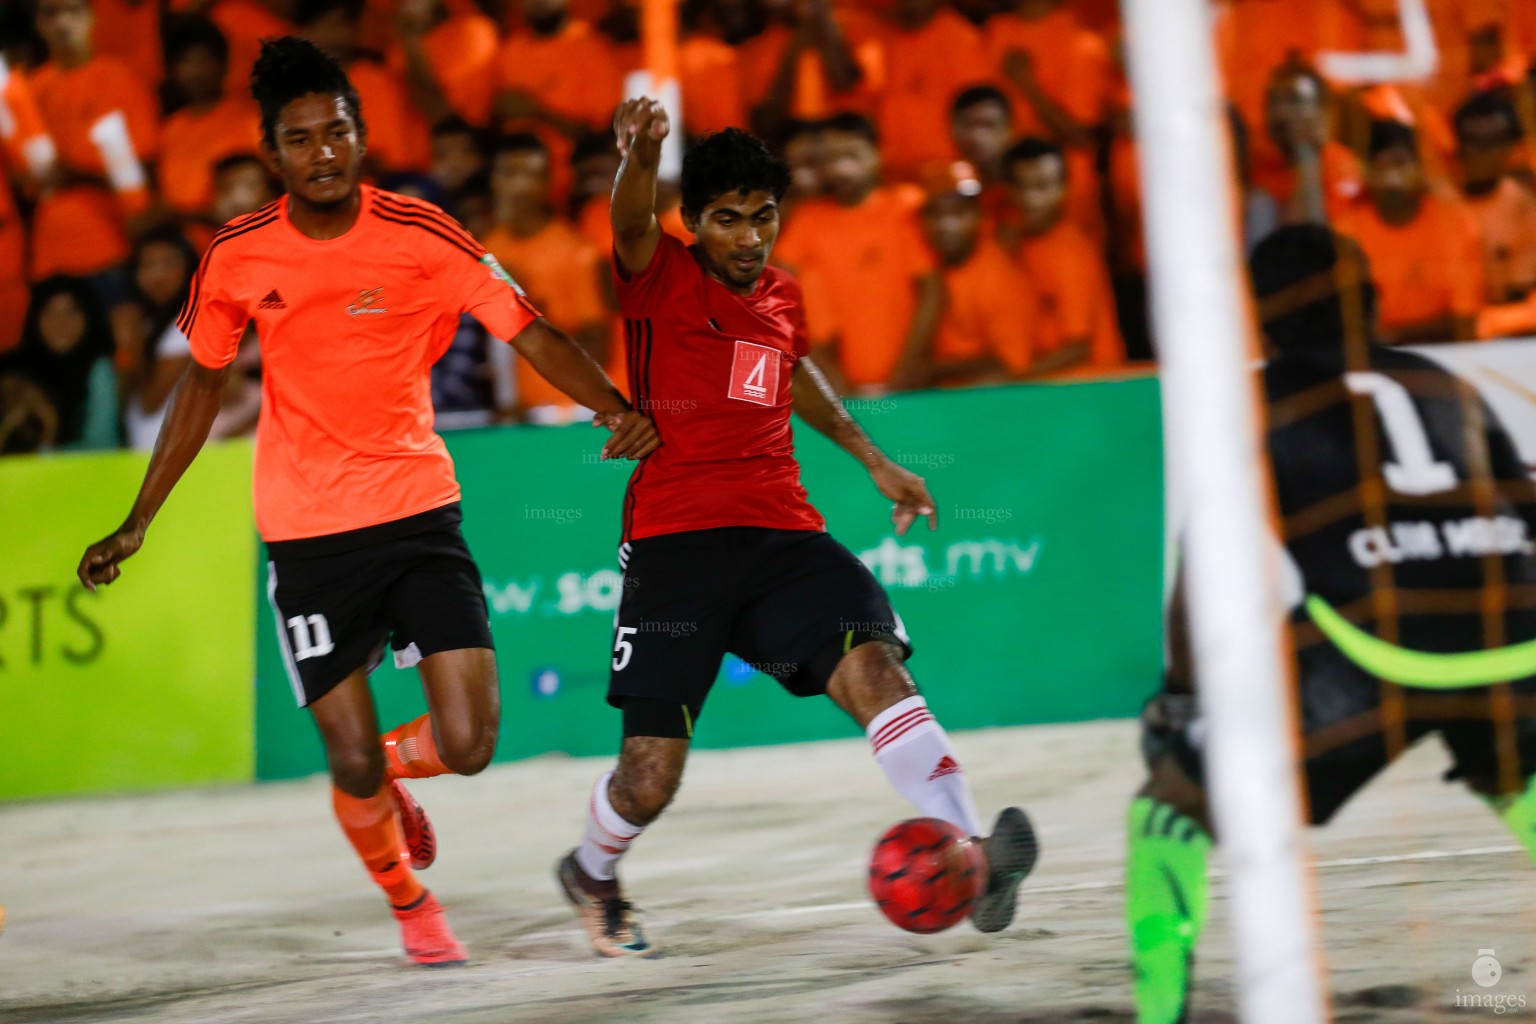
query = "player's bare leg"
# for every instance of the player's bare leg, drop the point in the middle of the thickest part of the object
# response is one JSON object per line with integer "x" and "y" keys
{"x": 369, "y": 816}
{"x": 457, "y": 736}
{"x": 1169, "y": 836}
{"x": 623, "y": 803}
{"x": 872, "y": 684}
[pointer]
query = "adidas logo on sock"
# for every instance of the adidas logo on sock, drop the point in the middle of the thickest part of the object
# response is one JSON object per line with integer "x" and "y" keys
{"x": 946, "y": 766}
{"x": 272, "y": 301}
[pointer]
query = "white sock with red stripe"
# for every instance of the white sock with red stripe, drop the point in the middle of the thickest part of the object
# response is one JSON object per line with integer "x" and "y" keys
{"x": 607, "y": 835}
{"x": 920, "y": 762}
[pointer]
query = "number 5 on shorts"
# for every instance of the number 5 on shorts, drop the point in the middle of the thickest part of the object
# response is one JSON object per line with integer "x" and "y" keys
{"x": 623, "y": 650}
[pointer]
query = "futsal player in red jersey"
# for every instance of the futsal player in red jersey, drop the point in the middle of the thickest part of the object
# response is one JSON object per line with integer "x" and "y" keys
{"x": 355, "y": 292}
{"x": 722, "y": 552}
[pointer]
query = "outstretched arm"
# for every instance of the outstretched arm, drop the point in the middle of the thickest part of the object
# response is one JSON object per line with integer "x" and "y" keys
{"x": 640, "y": 125}
{"x": 194, "y": 404}
{"x": 570, "y": 368}
{"x": 817, "y": 404}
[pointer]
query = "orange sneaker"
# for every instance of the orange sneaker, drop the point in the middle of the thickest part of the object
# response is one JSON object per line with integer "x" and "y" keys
{"x": 420, "y": 840}
{"x": 426, "y": 936}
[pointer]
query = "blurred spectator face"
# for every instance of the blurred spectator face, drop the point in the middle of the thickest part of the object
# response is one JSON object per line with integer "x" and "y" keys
{"x": 1039, "y": 189}
{"x": 198, "y": 75}
{"x": 952, "y": 223}
{"x": 916, "y": 13}
{"x": 456, "y": 158}
{"x": 1394, "y": 178}
{"x": 803, "y": 154}
{"x": 982, "y": 132}
{"x": 476, "y": 212}
{"x": 61, "y": 323}
{"x": 594, "y": 174}
{"x": 850, "y": 166}
{"x": 544, "y": 17}
{"x": 66, "y": 26}
{"x": 735, "y": 20}
{"x": 335, "y": 32}
{"x": 520, "y": 181}
{"x": 161, "y": 272}
{"x": 1294, "y": 112}
{"x": 240, "y": 188}
{"x": 1486, "y": 143}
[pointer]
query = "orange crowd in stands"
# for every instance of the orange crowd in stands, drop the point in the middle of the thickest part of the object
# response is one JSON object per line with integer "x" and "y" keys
{"x": 965, "y": 204}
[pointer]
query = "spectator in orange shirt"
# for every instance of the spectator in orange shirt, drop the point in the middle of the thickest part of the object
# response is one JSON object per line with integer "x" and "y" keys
{"x": 245, "y": 23}
{"x": 1075, "y": 325}
{"x": 931, "y": 54}
{"x": 981, "y": 130}
{"x": 984, "y": 334}
{"x": 445, "y": 56}
{"x": 1425, "y": 249}
{"x": 104, "y": 122}
{"x": 805, "y": 64}
{"x": 208, "y": 125}
{"x": 1061, "y": 79}
{"x": 802, "y": 152}
{"x": 555, "y": 265}
{"x": 873, "y": 297}
{"x": 561, "y": 74}
{"x": 1309, "y": 175}
{"x": 399, "y": 138}
{"x": 709, "y": 73}
{"x": 1488, "y": 130}
{"x": 27, "y": 154}
{"x": 130, "y": 31}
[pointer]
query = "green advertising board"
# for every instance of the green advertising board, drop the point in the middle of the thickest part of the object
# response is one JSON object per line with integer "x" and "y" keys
{"x": 1036, "y": 600}
{"x": 145, "y": 683}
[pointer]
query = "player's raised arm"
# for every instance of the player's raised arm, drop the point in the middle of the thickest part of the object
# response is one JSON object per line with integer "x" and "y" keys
{"x": 640, "y": 125}
{"x": 817, "y": 404}
{"x": 194, "y": 404}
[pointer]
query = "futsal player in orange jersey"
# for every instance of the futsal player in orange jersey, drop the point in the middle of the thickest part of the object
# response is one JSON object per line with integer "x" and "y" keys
{"x": 355, "y": 292}
{"x": 720, "y": 537}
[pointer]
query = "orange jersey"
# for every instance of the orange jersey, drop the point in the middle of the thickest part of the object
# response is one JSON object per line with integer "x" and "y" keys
{"x": 1426, "y": 269}
{"x": 811, "y": 95}
{"x": 1506, "y": 218}
{"x": 989, "y": 310}
{"x": 919, "y": 85}
{"x": 398, "y": 136}
{"x": 1074, "y": 299}
{"x": 859, "y": 266}
{"x": 105, "y": 122}
{"x": 245, "y": 23}
{"x": 1343, "y": 177}
{"x": 349, "y": 329}
{"x": 574, "y": 73}
{"x": 460, "y": 52}
{"x": 710, "y": 79}
{"x": 192, "y": 143}
{"x": 560, "y": 272}
{"x": 130, "y": 31}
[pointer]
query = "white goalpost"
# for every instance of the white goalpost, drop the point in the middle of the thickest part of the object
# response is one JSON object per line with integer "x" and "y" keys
{"x": 1219, "y": 501}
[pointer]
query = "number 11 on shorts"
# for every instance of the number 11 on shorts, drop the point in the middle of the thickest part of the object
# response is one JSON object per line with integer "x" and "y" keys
{"x": 623, "y": 650}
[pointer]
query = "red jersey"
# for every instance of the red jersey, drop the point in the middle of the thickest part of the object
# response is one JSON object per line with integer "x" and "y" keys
{"x": 712, "y": 369}
{"x": 349, "y": 330}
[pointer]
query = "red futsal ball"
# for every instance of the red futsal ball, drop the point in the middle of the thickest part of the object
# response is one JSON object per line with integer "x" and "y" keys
{"x": 925, "y": 875}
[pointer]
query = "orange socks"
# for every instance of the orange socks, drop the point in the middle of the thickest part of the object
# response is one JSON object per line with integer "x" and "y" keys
{"x": 410, "y": 752}
{"x": 373, "y": 827}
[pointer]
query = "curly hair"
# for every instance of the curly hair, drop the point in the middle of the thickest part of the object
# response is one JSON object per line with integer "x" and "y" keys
{"x": 730, "y": 162}
{"x": 291, "y": 68}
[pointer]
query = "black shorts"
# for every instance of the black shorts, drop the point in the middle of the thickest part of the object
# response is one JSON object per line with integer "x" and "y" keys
{"x": 1345, "y": 743}
{"x": 339, "y": 598}
{"x": 790, "y": 603}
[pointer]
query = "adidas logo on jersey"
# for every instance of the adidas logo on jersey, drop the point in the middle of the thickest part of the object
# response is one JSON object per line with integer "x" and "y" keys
{"x": 272, "y": 301}
{"x": 946, "y": 766}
